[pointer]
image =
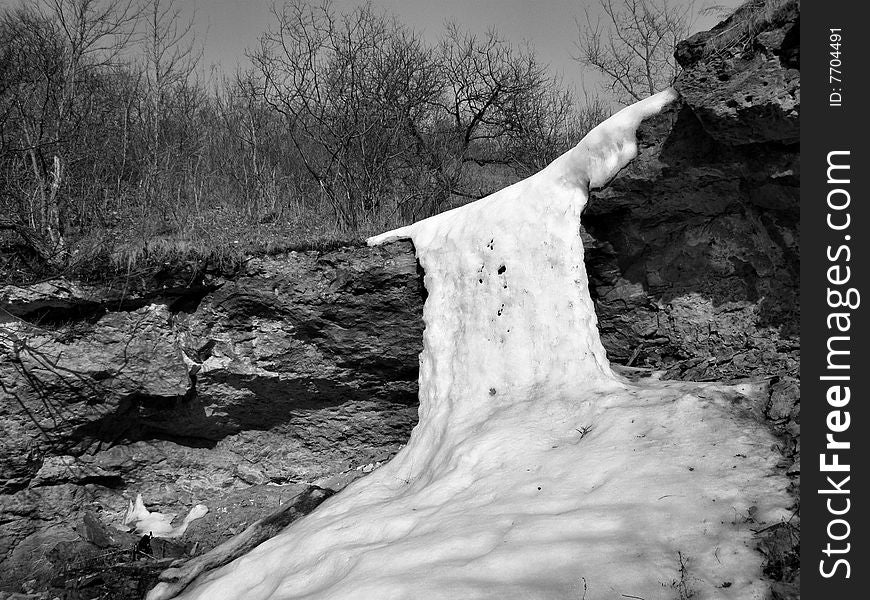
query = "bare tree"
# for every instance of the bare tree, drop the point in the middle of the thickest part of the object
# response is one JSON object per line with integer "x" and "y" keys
{"x": 632, "y": 45}
{"x": 33, "y": 78}
{"x": 108, "y": 135}
{"x": 93, "y": 33}
{"x": 244, "y": 146}
{"x": 383, "y": 122}
{"x": 60, "y": 49}
{"x": 347, "y": 86}
{"x": 170, "y": 100}
{"x": 500, "y": 103}
{"x": 552, "y": 122}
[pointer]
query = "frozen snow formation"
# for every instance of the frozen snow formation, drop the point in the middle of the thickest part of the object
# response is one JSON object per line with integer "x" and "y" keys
{"x": 158, "y": 524}
{"x": 535, "y": 471}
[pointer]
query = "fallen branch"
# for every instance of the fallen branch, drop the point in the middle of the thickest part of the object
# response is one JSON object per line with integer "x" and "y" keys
{"x": 175, "y": 579}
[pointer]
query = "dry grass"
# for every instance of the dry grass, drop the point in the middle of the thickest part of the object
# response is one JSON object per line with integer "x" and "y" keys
{"x": 214, "y": 240}
{"x": 746, "y": 22}
{"x": 217, "y": 239}
{"x": 216, "y": 234}
{"x": 220, "y": 241}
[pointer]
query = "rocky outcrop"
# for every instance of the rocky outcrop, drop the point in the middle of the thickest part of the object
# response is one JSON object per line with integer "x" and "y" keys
{"x": 695, "y": 245}
{"x": 694, "y": 248}
{"x": 302, "y": 368}
{"x": 742, "y": 78}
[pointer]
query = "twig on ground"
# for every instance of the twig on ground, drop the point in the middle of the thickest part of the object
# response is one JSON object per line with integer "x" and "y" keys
{"x": 175, "y": 579}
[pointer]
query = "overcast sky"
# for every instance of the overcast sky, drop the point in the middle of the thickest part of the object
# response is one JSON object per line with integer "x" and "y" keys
{"x": 230, "y": 26}
{"x": 227, "y": 27}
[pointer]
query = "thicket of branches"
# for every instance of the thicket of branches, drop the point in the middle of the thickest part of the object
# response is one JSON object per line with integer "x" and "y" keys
{"x": 631, "y": 44}
{"x": 340, "y": 122}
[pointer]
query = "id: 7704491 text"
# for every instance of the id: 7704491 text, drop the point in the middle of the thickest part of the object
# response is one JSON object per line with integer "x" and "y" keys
{"x": 835, "y": 67}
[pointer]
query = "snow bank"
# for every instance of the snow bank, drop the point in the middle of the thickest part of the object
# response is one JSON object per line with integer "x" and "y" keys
{"x": 534, "y": 472}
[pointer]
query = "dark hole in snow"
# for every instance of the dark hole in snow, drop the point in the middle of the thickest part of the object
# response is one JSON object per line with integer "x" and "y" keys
{"x": 502, "y": 269}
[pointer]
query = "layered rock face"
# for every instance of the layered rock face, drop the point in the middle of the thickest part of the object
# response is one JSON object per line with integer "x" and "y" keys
{"x": 303, "y": 368}
{"x": 694, "y": 257}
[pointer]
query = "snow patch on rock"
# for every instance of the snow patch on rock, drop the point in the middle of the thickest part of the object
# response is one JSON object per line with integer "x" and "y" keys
{"x": 535, "y": 471}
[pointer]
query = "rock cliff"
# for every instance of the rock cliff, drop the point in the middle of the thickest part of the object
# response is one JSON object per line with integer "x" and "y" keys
{"x": 302, "y": 368}
{"x": 694, "y": 254}
{"x": 696, "y": 242}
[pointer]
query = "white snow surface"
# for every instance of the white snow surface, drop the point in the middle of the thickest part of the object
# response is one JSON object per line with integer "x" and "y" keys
{"x": 535, "y": 472}
{"x": 159, "y": 525}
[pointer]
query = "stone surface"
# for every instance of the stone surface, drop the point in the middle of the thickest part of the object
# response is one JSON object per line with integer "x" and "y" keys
{"x": 745, "y": 89}
{"x": 303, "y": 367}
{"x": 71, "y": 392}
{"x": 694, "y": 260}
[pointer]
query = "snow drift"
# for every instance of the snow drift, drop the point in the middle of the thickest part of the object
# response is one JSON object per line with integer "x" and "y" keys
{"x": 535, "y": 471}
